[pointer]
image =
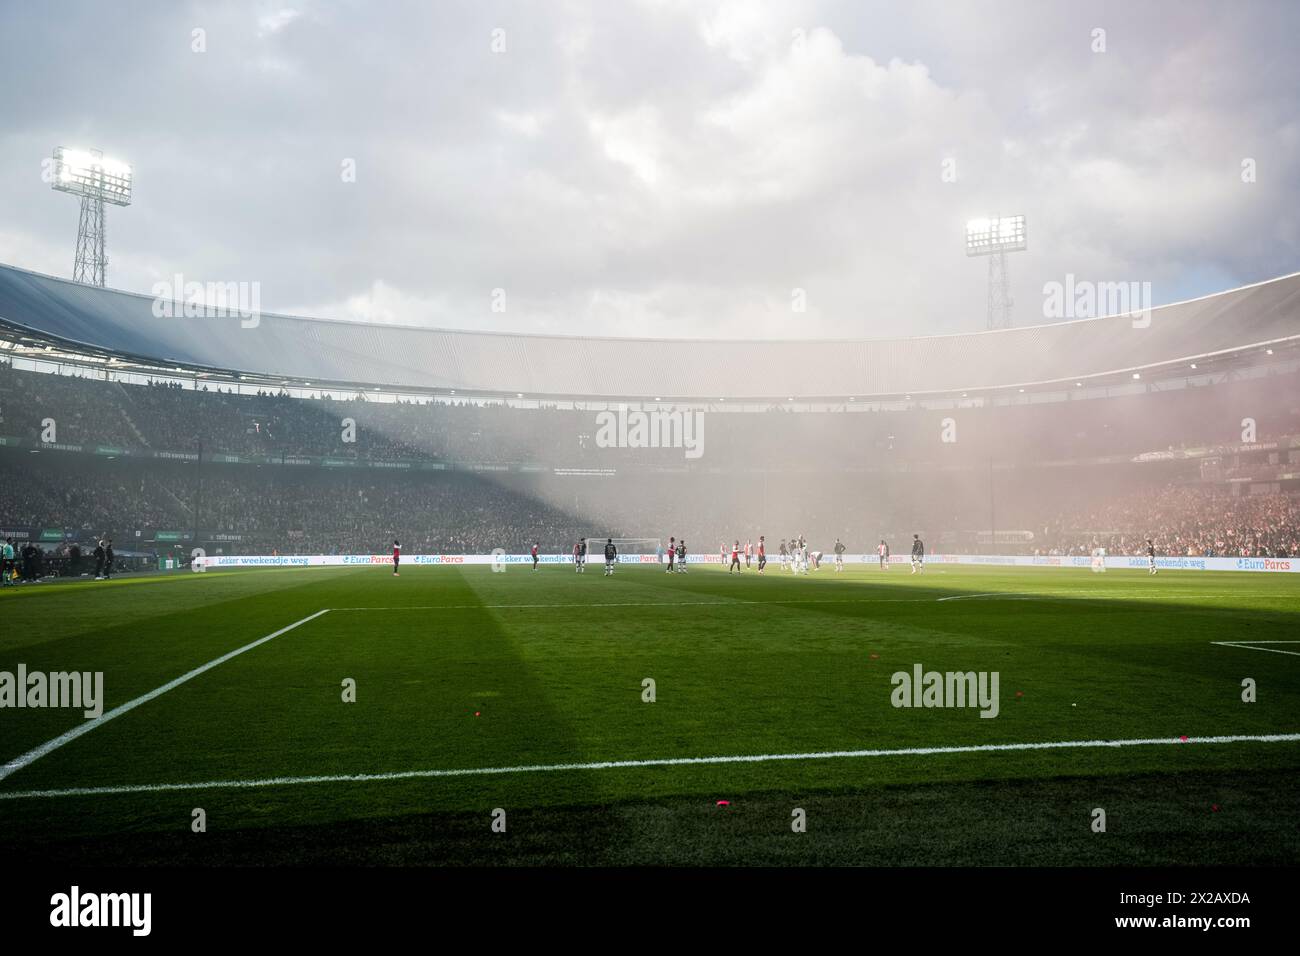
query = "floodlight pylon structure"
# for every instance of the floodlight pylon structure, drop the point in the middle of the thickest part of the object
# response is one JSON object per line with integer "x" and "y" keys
{"x": 95, "y": 181}
{"x": 994, "y": 238}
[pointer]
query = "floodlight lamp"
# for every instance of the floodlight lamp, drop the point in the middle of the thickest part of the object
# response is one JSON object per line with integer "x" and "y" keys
{"x": 92, "y": 176}
{"x": 998, "y": 234}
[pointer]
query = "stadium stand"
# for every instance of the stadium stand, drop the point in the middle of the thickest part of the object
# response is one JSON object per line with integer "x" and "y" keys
{"x": 1205, "y": 456}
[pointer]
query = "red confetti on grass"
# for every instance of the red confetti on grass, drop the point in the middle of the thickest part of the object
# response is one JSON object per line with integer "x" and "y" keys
{"x": 1214, "y": 807}
{"x": 1020, "y": 693}
{"x": 875, "y": 657}
{"x": 1183, "y": 738}
{"x": 724, "y": 803}
{"x": 476, "y": 713}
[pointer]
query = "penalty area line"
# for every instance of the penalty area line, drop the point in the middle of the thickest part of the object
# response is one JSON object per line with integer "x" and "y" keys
{"x": 636, "y": 764}
{"x": 1250, "y": 646}
{"x": 32, "y": 756}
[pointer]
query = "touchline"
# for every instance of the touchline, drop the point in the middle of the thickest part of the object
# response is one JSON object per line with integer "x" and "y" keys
{"x": 81, "y": 690}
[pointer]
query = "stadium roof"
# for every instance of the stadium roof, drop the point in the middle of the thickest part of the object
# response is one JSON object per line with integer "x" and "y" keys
{"x": 40, "y": 309}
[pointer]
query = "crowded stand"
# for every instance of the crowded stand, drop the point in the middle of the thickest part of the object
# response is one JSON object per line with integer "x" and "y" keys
{"x": 166, "y": 467}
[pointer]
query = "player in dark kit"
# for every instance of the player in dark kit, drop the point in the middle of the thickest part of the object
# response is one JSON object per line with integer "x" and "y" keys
{"x": 611, "y": 555}
{"x": 1151, "y": 556}
{"x": 762, "y": 554}
{"x": 918, "y": 554}
{"x": 397, "y": 555}
{"x": 681, "y": 556}
{"x": 839, "y": 555}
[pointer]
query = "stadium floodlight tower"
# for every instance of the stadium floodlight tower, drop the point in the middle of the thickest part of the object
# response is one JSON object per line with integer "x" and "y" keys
{"x": 995, "y": 237}
{"x": 95, "y": 180}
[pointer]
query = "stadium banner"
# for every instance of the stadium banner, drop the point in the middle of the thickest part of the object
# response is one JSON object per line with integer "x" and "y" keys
{"x": 1119, "y": 562}
{"x": 359, "y": 560}
{"x": 1084, "y": 562}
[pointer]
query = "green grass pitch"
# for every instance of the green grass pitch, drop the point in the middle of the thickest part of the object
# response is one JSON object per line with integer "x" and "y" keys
{"x": 466, "y": 669}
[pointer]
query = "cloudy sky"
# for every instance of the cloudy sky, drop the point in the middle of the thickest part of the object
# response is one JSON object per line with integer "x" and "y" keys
{"x": 660, "y": 167}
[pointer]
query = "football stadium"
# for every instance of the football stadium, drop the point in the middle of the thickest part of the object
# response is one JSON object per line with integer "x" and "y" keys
{"x": 284, "y": 676}
{"x": 296, "y": 590}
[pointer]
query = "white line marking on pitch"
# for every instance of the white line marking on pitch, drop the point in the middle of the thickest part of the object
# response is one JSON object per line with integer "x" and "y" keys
{"x": 1250, "y": 646}
{"x": 632, "y": 764}
{"x": 497, "y": 607}
{"x": 33, "y": 755}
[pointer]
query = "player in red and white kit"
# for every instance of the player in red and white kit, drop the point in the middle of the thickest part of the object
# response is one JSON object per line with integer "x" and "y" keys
{"x": 534, "y": 554}
{"x": 397, "y": 555}
{"x": 882, "y": 549}
{"x": 762, "y": 554}
{"x": 735, "y": 558}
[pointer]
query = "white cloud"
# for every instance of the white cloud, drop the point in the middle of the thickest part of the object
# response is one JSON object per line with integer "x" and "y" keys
{"x": 269, "y": 24}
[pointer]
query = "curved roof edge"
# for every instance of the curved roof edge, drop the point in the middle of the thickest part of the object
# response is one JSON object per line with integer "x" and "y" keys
{"x": 302, "y": 349}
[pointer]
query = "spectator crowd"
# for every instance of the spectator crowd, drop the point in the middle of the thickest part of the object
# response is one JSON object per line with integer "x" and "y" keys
{"x": 776, "y": 473}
